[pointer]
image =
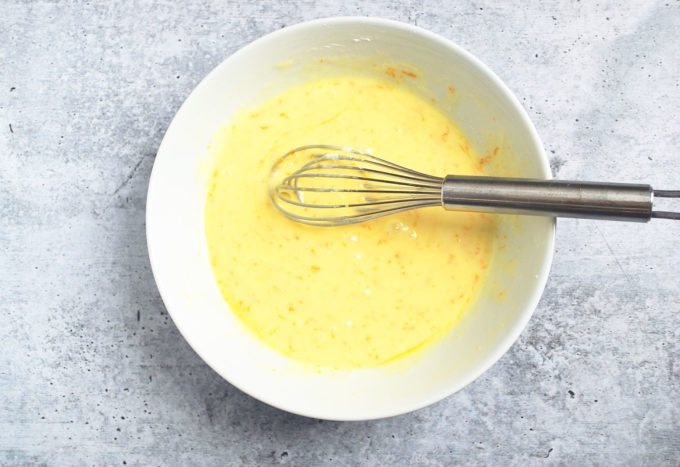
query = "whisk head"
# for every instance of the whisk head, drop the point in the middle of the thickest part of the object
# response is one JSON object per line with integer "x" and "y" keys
{"x": 327, "y": 185}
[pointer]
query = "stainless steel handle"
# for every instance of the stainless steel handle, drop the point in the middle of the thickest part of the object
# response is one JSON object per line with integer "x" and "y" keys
{"x": 611, "y": 201}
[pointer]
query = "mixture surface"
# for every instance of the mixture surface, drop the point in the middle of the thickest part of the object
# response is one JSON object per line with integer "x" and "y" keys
{"x": 343, "y": 297}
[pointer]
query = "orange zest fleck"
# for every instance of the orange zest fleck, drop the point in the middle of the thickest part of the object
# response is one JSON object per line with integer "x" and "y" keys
{"x": 451, "y": 90}
{"x": 391, "y": 71}
{"x": 408, "y": 73}
{"x": 484, "y": 160}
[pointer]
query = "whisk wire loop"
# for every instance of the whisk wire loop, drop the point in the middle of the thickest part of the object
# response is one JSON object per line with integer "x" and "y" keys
{"x": 352, "y": 183}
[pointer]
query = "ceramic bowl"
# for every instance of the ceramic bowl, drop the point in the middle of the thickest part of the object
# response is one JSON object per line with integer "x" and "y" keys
{"x": 484, "y": 109}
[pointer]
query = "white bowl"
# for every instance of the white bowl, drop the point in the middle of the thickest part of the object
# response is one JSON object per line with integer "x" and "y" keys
{"x": 484, "y": 108}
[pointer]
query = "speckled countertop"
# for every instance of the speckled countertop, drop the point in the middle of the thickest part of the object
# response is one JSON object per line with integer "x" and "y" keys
{"x": 93, "y": 371}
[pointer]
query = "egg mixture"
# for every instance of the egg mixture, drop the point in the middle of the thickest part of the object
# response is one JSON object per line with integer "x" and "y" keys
{"x": 355, "y": 296}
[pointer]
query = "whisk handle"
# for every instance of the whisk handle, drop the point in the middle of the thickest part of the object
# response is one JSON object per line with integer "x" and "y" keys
{"x": 591, "y": 200}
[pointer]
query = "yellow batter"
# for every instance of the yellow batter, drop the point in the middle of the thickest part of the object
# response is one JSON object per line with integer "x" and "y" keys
{"x": 343, "y": 297}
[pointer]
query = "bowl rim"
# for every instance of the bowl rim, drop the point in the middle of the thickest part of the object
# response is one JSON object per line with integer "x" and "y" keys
{"x": 514, "y": 330}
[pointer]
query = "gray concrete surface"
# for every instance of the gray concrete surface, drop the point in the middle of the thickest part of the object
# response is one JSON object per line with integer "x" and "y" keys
{"x": 93, "y": 371}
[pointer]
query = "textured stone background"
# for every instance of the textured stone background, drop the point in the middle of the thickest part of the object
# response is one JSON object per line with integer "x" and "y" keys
{"x": 93, "y": 371}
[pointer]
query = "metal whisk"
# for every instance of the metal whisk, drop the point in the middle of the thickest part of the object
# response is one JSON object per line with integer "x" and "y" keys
{"x": 329, "y": 185}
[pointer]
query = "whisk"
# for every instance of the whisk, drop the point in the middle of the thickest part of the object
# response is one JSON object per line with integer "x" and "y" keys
{"x": 328, "y": 185}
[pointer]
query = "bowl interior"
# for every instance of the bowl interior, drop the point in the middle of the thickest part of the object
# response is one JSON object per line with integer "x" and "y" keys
{"x": 481, "y": 106}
